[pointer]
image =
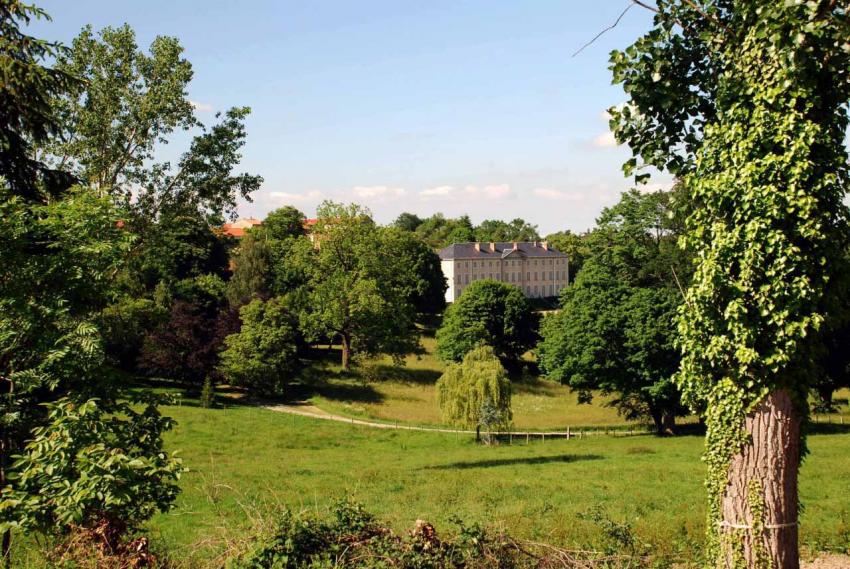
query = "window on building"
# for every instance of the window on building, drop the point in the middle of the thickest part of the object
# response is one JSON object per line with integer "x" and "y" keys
{"x": 551, "y": 275}
{"x": 528, "y": 275}
{"x": 551, "y": 290}
{"x": 466, "y": 278}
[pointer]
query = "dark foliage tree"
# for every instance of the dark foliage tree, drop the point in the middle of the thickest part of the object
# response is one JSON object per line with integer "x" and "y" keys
{"x": 488, "y": 313}
{"x": 407, "y": 221}
{"x": 424, "y": 285}
{"x": 27, "y": 87}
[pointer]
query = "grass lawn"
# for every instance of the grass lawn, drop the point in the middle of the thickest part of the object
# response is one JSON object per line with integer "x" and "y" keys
{"x": 246, "y": 460}
{"x": 408, "y": 395}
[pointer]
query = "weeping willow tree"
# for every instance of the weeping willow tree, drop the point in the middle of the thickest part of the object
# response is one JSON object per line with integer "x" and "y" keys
{"x": 745, "y": 101}
{"x": 476, "y": 392}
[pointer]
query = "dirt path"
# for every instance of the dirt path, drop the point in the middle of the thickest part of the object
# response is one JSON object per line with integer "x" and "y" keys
{"x": 305, "y": 409}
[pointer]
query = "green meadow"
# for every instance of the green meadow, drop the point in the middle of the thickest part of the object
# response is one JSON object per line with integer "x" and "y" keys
{"x": 245, "y": 462}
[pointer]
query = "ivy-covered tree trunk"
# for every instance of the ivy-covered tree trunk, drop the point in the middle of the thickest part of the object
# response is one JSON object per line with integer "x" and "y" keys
{"x": 759, "y": 506}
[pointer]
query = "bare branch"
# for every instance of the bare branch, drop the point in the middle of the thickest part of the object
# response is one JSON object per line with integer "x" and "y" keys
{"x": 609, "y": 28}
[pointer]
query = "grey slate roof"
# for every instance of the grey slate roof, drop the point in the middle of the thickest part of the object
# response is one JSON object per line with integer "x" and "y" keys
{"x": 467, "y": 251}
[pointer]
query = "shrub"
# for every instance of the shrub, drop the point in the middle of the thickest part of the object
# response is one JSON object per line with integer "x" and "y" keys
{"x": 354, "y": 538}
{"x": 93, "y": 465}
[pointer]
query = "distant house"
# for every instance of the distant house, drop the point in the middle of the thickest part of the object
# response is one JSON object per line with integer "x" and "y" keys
{"x": 238, "y": 227}
{"x": 538, "y": 270}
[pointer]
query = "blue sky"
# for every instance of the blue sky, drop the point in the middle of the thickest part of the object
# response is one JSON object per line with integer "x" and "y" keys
{"x": 460, "y": 107}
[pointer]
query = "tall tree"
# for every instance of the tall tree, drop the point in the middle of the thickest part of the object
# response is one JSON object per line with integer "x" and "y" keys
{"x": 489, "y": 313}
{"x": 615, "y": 331}
{"x": 284, "y": 222}
{"x": 129, "y": 103}
{"x": 357, "y": 285}
{"x": 746, "y": 102}
{"x": 426, "y": 291}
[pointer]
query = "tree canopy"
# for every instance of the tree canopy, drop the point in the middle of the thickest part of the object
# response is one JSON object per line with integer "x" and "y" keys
{"x": 358, "y": 285}
{"x": 616, "y": 328}
{"x": 489, "y": 313}
{"x": 262, "y": 355}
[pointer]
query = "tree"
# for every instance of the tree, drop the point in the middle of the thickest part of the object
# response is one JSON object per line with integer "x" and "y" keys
{"x": 746, "y": 103}
{"x": 26, "y": 116}
{"x": 185, "y": 345}
{"x": 426, "y": 291}
{"x": 476, "y": 391}
{"x": 492, "y": 313}
{"x": 284, "y": 222}
{"x": 356, "y": 286}
{"x": 252, "y": 270}
{"x": 407, "y": 221}
{"x": 183, "y": 246}
{"x": 129, "y": 103}
{"x": 437, "y": 231}
{"x": 262, "y": 356}
{"x": 575, "y": 246}
{"x": 616, "y": 328}
{"x": 497, "y": 230}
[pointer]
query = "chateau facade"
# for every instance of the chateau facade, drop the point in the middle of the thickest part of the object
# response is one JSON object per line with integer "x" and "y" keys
{"x": 538, "y": 270}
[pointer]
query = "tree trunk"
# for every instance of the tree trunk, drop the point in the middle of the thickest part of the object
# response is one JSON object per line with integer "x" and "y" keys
{"x": 657, "y": 420}
{"x": 478, "y": 433}
{"x": 346, "y": 352}
{"x": 763, "y": 476}
{"x": 668, "y": 423}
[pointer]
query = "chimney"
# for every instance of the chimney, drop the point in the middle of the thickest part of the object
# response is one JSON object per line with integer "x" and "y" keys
{"x": 492, "y": 247}
{"x": 516, "y": 245}
{"x": 478, "y": 247}
{"x": 545, "y": 245}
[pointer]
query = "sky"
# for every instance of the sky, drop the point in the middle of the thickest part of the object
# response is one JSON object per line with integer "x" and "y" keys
{"x": 464, "y": 107}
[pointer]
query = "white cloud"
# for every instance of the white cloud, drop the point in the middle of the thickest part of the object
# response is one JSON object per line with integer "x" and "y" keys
{"x": 295, "y": 197}
{"x": 605, "y": 140}
{"x": 492, "y": 192}
{"x": 552, "y": 194}
{"x": 439, "y": 191}
{"x": 377, "y": 192}
{"x": 201, "y": 107}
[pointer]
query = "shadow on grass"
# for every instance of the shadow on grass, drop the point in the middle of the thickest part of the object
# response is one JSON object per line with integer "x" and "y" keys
{"x": 530, "y": 460}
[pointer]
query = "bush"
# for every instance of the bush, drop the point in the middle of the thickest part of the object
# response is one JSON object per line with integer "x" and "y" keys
{"x": 354, "y": 538}
{"x": 93, "y": 466}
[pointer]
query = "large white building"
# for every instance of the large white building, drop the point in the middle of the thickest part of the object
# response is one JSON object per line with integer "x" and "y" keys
{"x": 537, "y": 269}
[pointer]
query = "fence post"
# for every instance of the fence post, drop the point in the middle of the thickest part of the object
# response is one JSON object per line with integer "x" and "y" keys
{"x": 544, "y": 438}
{"x": 568, "y": 433}
{"x": 527, "y": 437}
